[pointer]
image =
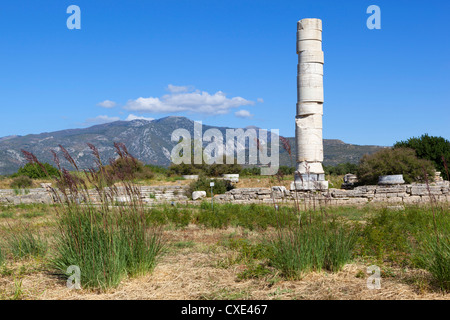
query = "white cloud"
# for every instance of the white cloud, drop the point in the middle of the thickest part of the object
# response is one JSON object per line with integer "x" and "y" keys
{"x": 132, "y": 117}
{"x": 260, "y": 100}
{"x": 101, "y": 119}
{"x": 243, "y": 114}
{"x": 180, "y": 100}
{"x": 177, "y": 89}
{"x": 107, "y": 104}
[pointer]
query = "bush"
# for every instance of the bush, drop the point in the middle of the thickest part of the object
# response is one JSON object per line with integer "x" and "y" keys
{"x": 184, "y": 169}
{"x": 203, "y": 184}
{"x": 285, "y": 170}
{"x": 341, "y": 169}
{"x": 393, "y": 161}
{"x": 21, "y": 182}
{"x": 211, "y": 170}
{"x": 254, "y": 171}
{"x": 216, "y": 170}
{"x": 126, "y": 168}
{"x": 35, "y": 171}
{"x": 430, "y": 148}
{"x": 156, "y": 169}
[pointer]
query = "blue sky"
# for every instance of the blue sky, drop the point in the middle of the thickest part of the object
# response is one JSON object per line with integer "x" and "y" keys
{"x": 150, "y": 58}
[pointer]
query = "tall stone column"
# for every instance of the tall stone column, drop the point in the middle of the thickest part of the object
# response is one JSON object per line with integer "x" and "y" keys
{"x": 308, "y": 122}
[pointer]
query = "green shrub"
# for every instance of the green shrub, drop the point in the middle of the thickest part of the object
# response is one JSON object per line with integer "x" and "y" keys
{"x": 35, "y": 171}
{"x": 203, "y": 184}
{"x": 126, "y": 168}
{"x": 285, "y": 170}
{"x": 216, "y": 170}
{"x": 430, "y": 148}
{"x": 21, "y": 182}
{"x": 211, "y": 170}
{"x": 157, "y": 169}
{"x": 254, "y": 171}
{"x": 184, "y": 169}
{"x": 391, "y": 162}
{"x": 341, "y": 169}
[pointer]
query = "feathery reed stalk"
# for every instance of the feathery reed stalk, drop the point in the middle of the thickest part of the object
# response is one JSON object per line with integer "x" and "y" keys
{"x": 433, "y": 253}
{"x": 103, "y": 231}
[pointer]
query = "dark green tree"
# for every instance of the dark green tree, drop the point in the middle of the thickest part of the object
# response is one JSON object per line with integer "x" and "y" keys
{"x": 394, "y": 161}
{"x": 34, "y": 171}
{"x": 430, "y": 148}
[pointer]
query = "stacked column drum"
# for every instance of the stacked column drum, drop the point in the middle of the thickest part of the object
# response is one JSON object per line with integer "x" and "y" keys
{"x": 310, "y": 98}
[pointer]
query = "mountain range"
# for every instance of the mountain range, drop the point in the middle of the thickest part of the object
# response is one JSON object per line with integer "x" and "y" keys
{"x": 148, "y": 141}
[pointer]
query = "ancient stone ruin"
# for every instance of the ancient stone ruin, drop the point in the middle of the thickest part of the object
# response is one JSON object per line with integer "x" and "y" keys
{"x": 308, "y": 123}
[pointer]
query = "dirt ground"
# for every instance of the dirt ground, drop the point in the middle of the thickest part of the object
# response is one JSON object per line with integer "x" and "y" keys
{"x": 193, "y": 268}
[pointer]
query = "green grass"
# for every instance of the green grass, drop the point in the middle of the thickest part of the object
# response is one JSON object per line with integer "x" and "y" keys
{"x": 106, "y": 247}
{"x": 393, "y": 236}
{"x": 7, "y": 214}
{"x": 251, "y": 217}
{"x": 387, "y": 238}
{"x": 417, "y": 237}
{"x": 183, "y": 244}
{"x": 433, "y": 255}
{"x": 33, "y": 214}
{"x": 318, "y": 244}
{"x": 24, "y": 243}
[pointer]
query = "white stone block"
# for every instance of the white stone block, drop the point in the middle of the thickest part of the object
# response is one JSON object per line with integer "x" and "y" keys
{"x": 310, "y": 80}
{"x": 309, "y": 45}
{"x": 309, "y": 185}
{"x": 310, "y": 94}
{"x": 310, "y": 68}
{"x": 311, "y": 57}
{"x": 231, "y": 177}
{"x": 310, "y": 154}
{"x": 313, "y": 121}
{"x": 311, "y": 167}
{"x": 309, "y": 34}
{"x": 309, "y": 23}
{"x": 190, "y": 176}
{"x": 309, "y": 108}
{"x": 198, "y": 195}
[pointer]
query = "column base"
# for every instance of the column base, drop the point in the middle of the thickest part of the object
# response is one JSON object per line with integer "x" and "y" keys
{"x": 310, "y": 181}
{"x": 309, "y": 185}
